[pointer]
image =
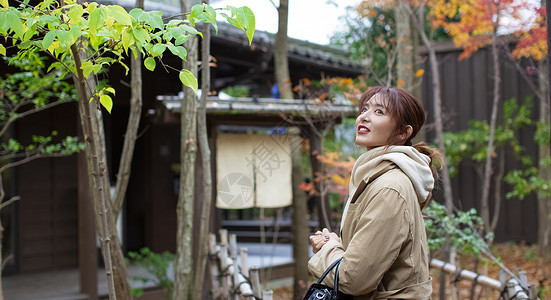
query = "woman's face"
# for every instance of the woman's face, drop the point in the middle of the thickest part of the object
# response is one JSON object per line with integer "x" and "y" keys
{"x": 374, "y": 125}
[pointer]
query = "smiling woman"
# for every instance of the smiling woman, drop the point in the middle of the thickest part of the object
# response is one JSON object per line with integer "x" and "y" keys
{"x": 383, "y": 244}
{"x": 374, "y": 125}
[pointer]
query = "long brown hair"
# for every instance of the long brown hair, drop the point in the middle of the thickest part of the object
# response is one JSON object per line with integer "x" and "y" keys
{"x": 406, "y": 110}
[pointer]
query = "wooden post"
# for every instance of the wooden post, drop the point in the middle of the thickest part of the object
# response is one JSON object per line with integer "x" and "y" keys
{"x": 224, "y": 262}
{"x": 214, "y": 271}
{"x": 515, "y": 290}
{"x": 300, "y": 226}
{"x": 239, "y": 282}
{"x": 223, "y": 237}
{"x": 244, "y": 265}
{"x": 255, "y": 282}
{"x": 233, "y": 246}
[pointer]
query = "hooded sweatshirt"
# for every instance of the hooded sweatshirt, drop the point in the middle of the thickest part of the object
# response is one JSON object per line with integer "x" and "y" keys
{"x": 384, "y": 245}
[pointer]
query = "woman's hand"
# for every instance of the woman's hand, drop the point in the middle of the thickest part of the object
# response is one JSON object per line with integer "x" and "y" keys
{"x": 319, "y": 239}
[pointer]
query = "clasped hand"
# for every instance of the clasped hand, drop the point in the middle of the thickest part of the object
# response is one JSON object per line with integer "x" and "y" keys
{"x": 319, "y": 239}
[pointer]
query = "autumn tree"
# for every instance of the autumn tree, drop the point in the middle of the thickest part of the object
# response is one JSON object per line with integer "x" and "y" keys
{"x": 526, "y": 21}
{"x": 532, "y": 46}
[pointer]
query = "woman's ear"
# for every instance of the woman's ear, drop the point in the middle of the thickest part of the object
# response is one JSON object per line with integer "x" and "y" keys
{"x": 407, "y": 133}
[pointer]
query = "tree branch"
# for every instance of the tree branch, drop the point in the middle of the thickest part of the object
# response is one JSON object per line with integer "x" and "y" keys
{"x": 10, "y": 201}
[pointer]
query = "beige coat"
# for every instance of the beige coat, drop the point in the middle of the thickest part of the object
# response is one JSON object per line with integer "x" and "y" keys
{"x": 384, "y": 244}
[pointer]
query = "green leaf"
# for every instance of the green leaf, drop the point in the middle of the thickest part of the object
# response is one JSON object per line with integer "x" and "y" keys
{"x": 179, "y": 51}
{"x": 107, "y": 102}
{"x": 125, "y": 68}
{"x": 97, "y": 18}
{"x": 14, "y": 22}
{"x": 29, "y": 34}
{"x": 150, "y": 63}
{"x": 65, "y": 38}
{"x": 54, "y": 47}
{"x": 158, "y": 49}
{"x": 141, "y": 35}
{"x": 120, "y": 14}
{"x": 105, "y": 60}
{"x": 189, "y": 29}
{"x": 187, "y": 78}
{"x": 181, "y": 39}
{"x": 155, "y": 19}
{"x": 127, "y": 38}
{"x": 138, "y": 14}
{"x": 248, "y": 20}
{"x": 110, "y": 90}
{"x": 87, "y": 68}
{"x": 95, "y": 41}
{"x": 2, "y": 50}
{"x": 75, "y": 32}
{"x": 211, "y": 13}
{"x": 56, "y": 65}
{"x": 48, "y": 39}
{"x": 75, "y": 13}
{"x": 245, "y": 20}
{"x": 196, "y": 11}
{"x": 231, "y": 20}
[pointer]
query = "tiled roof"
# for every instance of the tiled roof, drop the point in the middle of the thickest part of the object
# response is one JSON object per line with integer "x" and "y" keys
{"x": 266, "y": 106}
{"x": 328, "y": 55}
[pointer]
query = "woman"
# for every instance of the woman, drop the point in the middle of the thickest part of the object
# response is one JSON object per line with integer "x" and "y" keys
{"x": 383, "y": 241}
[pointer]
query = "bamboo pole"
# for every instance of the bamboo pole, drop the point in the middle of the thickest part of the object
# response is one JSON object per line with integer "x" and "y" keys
{"x": 232, "y": 279}
{"x": 223, "y": 255}
{"x": 255, "y": 282}
{"x": 466, "y": 274}
{"x": 214, "y": 271}
{"x": 267, "y": 295}
{"x": 515, "y": 288}
{"x": 240, "y": 282}
{"x": 244, "y": 264}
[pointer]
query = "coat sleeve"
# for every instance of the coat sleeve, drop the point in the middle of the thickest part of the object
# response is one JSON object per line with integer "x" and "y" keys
{"x": 381, "y": 230}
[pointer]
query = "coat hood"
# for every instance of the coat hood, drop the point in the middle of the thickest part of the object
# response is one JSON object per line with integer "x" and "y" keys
{"x": 413, "y": 163}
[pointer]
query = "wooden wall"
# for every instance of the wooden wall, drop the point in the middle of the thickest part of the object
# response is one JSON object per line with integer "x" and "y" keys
{"x": 467, "y": 89}
{"x": 47, "y": 222}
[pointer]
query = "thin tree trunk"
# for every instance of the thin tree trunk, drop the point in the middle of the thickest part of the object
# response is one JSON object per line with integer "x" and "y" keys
{"x": 203, "y": 240}
{"x": 322, "y": 202}
{"x": 123, "y": 175}
{"x": 405, "y": 47}
{"x": 300, "y": 223}
{"x": 488, "y": 169}
{"x": 281, "y": 64}
{"x": 437, "y": 106}
{"x": 439, "y": 127}
{"x": 97, "y": 168}
{"x": 118, "y": 263}
{"x": 183, "y": 282}
{"x": 497, "y": 195}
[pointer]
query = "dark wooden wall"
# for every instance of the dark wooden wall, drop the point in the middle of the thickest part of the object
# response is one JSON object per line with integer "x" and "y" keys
{"x": 47, "y": 222}
{"x": 467, "y": 89}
